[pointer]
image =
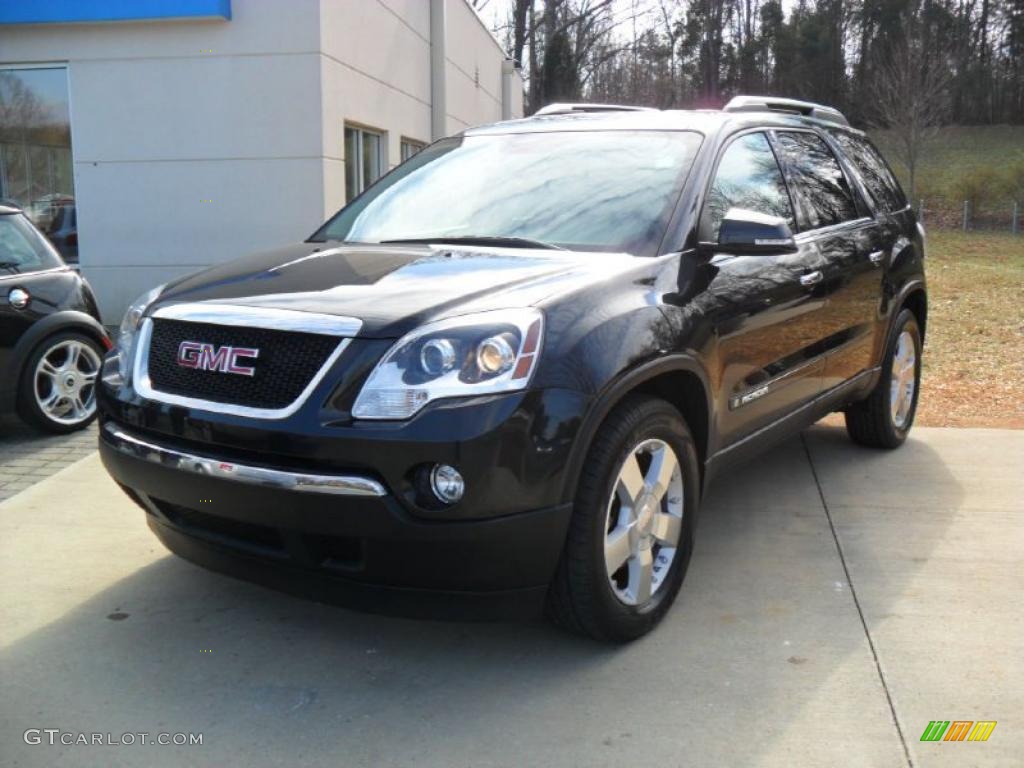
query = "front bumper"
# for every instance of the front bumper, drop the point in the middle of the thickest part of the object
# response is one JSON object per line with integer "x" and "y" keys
{"x": 337, "y": 537}
{"x": 186, "y": 461}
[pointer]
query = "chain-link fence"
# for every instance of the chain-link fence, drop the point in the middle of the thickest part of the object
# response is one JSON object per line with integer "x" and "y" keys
{"x": 988, "y": 215}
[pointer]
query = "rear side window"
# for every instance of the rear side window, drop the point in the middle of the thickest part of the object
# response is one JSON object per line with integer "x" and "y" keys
{"x": 823, "y": 194}
{"x": 878, "y": 179}
{"x": 748, "y": 176}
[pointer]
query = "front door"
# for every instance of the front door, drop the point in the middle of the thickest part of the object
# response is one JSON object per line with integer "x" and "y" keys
{"x": 28, "y": 267}
{"x": 766, "y": 309}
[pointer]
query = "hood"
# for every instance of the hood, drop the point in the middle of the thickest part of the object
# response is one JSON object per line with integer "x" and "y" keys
{"x": 393, "y": 289}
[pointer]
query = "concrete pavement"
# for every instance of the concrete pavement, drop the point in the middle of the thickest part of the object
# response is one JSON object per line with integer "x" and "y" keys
{"x": 28, "y": 455}
{"x": 839, "y": 599}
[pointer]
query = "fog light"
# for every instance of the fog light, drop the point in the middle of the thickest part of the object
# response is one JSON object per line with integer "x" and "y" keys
{"x": 446, "y": 483}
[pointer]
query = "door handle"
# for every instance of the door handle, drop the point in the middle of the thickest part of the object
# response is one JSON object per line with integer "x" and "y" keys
{"x": 811, "y": 278}
{"x": 877, "y": 258}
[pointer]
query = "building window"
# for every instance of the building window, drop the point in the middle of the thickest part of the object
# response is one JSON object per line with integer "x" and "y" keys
{"x": 35, "y": 151}
{"x": 364, "y": 159}
{"x": 410, "y": 147}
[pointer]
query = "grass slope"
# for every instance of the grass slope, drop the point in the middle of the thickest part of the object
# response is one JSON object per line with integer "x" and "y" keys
{"x": 974, "y": 351}
{"x": 973, "y": 374}
{"x": 955, "y": 153}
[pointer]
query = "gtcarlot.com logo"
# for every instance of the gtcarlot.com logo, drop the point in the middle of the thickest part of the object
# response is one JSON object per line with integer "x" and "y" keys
{"x": 958, "y": 730}
{"x": 55, "y": 736}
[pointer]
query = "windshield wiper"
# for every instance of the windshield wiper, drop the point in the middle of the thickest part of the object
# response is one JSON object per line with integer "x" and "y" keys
{"x": 11, "y": 265}
{"x": 496, "y": 241}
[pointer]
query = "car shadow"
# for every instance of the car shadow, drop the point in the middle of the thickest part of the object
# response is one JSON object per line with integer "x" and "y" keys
{"x": 764, "y": 640}
{"x": 27, "y": 441}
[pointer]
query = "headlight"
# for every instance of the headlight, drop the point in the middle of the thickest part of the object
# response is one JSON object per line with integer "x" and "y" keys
{"x": 464, "y": 356}
{"x": 129, "y": 330}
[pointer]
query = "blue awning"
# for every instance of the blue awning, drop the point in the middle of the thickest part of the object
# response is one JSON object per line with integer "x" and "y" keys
{"x": 71, "y": 11}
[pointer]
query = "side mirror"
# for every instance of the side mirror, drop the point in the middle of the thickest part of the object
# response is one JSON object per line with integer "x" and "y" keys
{"x": 750, "y": 232}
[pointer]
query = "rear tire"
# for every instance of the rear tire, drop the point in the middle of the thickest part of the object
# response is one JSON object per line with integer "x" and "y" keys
{"x": 884, "y": 418}
{"x": 637, "y": 496}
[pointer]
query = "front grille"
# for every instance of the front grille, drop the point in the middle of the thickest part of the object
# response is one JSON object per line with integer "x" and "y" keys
{"x": 287, "y": 362}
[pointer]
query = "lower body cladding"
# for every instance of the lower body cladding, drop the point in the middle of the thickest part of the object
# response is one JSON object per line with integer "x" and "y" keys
{"x": 334, "y": 537}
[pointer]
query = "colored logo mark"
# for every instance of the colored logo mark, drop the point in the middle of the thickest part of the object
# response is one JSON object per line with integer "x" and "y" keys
{"x": 958, "y": 730}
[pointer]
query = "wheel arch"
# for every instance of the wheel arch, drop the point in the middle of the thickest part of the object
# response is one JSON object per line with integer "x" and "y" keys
{"x": 913, "y": 297}
{"x": 679, "y": 380}
{"x": 51, "y": 325}
{"x": 916, "y": 300}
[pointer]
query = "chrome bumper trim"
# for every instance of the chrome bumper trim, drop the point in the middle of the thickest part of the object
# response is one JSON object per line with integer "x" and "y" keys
{"x": 339, "y": 485}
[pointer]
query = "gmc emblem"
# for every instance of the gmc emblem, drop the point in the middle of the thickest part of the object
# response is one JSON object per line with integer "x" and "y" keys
{"x": 206, "y": 357}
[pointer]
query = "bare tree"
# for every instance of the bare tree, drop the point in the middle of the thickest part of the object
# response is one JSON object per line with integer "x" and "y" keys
{"x": 700, "y": 52}
{"x": 671, "y": 12}
{"x": 560, "y": 43}
{"x": 20, "y": 109}
{"x": 913, "y": 100}
{"x": 521, "y": 16}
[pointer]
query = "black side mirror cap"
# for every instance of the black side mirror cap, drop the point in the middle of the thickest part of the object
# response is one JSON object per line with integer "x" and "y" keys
{"x": 750, "y": 232}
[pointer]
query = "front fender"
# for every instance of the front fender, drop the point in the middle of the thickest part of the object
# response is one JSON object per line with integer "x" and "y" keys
{"x": 613, "y": 392}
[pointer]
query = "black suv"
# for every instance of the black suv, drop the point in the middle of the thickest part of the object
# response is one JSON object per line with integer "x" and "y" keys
{"x": 502, "y": 377}
{"x": 51, "y": 340}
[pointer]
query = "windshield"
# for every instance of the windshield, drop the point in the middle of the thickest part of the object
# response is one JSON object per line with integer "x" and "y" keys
{"x": 22, "y": 248}
{"x": 586, "y": 190}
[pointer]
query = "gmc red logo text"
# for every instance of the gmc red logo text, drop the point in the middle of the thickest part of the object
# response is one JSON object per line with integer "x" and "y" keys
{"x": 206, "y": 357}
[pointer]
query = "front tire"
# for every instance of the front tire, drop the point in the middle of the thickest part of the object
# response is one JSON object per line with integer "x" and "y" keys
{"x": 57, "y": 391}
{"x": 631, "y": 534}
{"x": 884, "y": 418}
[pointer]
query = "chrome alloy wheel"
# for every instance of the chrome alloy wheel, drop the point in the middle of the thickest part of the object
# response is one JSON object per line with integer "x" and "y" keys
{"x": 643, "y": 522}
{"x": 903, "y": 380}
{"x": 65, "y": 382}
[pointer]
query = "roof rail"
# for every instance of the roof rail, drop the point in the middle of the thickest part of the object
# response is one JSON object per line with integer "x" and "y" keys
{"x": 773, "y": 104}
{"x": 566, "y": 109}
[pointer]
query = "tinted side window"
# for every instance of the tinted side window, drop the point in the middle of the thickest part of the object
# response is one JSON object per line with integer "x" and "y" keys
{"x": 817, "y": 180}
{"x": 879, "y": 180}
{"x": 748, "y": 176}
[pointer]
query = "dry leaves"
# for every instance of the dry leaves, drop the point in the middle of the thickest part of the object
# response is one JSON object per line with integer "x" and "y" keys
{"x": 974, "y": 351}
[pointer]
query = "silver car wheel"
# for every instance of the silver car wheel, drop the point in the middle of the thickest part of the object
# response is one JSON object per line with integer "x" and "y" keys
{"x": 903, "y": 381}
{"x": 644, "y": 521}
{"x": 65, "y": 382}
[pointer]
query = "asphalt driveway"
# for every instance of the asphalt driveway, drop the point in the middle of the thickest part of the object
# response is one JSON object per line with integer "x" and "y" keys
{"x": 838, "y": 601}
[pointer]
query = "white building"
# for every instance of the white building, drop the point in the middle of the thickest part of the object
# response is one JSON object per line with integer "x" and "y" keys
{"x": 189, "y": 132}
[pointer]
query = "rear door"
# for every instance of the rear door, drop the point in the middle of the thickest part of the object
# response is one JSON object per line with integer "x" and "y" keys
{"x": 833, "y": 218}
{"x": 766, "y": 309}
{"x": 889, "y": 235}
